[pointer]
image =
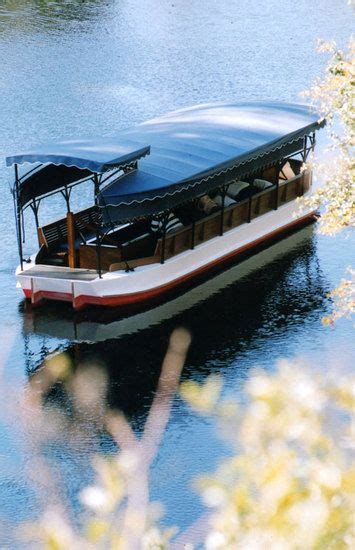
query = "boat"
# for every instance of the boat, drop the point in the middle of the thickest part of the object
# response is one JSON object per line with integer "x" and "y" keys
{"x": 173, "y": 199}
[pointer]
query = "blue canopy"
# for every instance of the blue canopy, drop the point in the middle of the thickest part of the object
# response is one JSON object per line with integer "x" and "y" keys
{"x": 193, "y": 148}
{"x": 191, "y": 151}
{"x": 97, "y": 155}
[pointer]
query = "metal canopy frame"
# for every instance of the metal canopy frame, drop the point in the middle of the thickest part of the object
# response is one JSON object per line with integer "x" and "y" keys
{"x": 99, "y": 179}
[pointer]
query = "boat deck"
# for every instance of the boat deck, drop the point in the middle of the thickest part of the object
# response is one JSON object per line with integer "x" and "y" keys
{"x": 55, "y": 272}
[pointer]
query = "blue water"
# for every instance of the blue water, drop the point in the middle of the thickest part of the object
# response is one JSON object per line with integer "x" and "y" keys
{"x": 77, "y": 68}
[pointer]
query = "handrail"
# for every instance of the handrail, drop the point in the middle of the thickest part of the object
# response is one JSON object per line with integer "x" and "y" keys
{"x": 201, "y": 224}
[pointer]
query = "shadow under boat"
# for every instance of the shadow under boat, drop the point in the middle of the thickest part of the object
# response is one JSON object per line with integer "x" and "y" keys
{"x": 242, "y": 287}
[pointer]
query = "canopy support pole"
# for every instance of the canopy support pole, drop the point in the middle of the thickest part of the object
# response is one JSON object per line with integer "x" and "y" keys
{"x": 313, "y": 140}
{"x": 193, "y": 228}
{"x": 221, "y": 227}
{"x": 66, "y": 195}
{"x": 305, "y": 150}
{"x": 98, "y": 235}
{"x": 165, "y": 220}
{"x": 277, "y": 172}
{"x": 18, "y": 216}
{"x": 249, "y": 208}
{"x": 34, "y": 207}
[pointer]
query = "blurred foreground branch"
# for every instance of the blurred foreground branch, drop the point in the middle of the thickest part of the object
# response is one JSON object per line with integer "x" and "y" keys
{"x": 290, "y": 482}
{"x": 119, "y": 514}
{"x": 334, "y": 98}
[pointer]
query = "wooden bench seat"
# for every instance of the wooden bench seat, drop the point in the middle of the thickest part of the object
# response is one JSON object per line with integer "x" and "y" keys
{"x": 55, "y": 234}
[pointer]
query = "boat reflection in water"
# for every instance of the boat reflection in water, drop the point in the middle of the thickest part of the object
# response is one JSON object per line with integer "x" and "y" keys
{"x": 266, "y": 294}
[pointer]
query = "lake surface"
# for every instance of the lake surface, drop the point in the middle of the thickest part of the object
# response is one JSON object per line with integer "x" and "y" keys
{"x": 78, "y": 68}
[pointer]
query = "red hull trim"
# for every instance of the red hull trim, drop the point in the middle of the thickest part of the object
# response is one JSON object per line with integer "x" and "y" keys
{"x": 46, "y": 295}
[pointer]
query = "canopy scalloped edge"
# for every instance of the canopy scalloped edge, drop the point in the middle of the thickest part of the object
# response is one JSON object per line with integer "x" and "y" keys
{"x": 191, "y": 185}
{"x": 77, "y": 162}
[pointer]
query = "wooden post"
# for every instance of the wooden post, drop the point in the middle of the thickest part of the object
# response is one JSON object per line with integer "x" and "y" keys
{"x": 71, "y": 239}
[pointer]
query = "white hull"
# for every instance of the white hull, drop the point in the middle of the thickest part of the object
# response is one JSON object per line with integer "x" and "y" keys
{"x": 82, "y": 287}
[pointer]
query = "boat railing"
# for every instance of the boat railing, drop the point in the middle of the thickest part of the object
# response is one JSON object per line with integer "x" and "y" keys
{"x": 233, "y": 216}
{"x": 144, "y": 250}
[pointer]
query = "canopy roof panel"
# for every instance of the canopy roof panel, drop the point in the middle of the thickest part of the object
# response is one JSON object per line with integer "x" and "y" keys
{"x": 194, "y": 145}
{"x": 190, "y": 150}
{"x": 97, "y": 155}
